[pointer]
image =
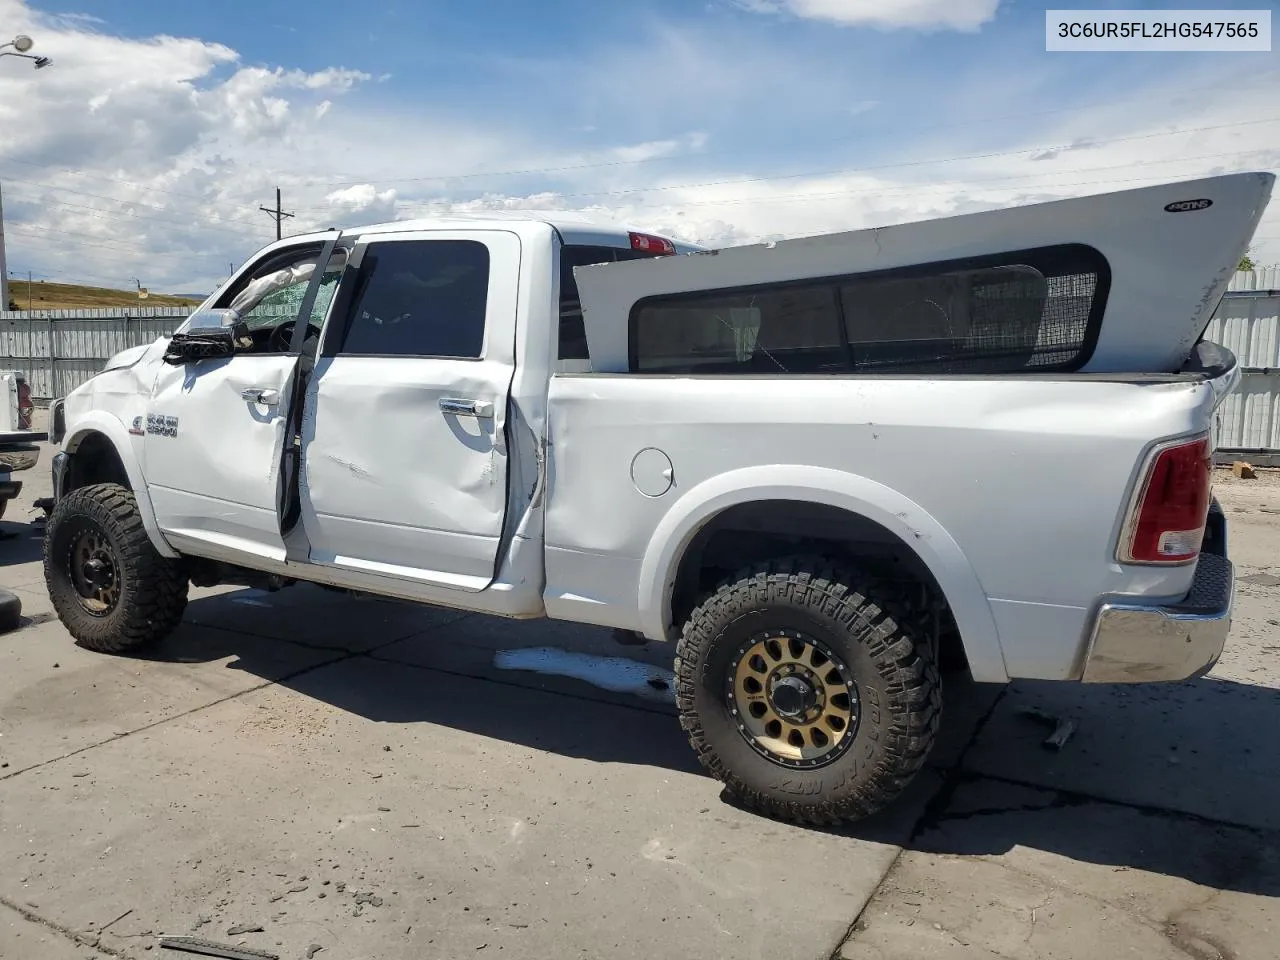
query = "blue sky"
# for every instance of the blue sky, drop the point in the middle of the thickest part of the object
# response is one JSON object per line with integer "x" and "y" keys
{"x": 723, "y": 121}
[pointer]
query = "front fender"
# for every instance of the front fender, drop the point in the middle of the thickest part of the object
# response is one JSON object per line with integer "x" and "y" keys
{"x": 911, "y": 523}
{"x": 127, "y": 449}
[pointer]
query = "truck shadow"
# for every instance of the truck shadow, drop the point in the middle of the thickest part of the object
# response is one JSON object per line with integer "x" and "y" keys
{"x": 21, "y": 541}
{"x": 1177, "y": 779}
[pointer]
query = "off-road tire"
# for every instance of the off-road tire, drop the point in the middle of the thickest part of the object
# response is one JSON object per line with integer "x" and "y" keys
{"x": 895, "y": 673}
{"x": 152, "y": 589}
{"x": 17, "y": 457}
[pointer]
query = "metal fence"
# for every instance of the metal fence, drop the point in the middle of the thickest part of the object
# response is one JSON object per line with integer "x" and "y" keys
{"x": 58, "y": 350}
{"x": 1247, "y": 323}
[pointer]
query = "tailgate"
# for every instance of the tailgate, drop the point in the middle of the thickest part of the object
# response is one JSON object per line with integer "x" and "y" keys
{"x": 1128, "y": 281}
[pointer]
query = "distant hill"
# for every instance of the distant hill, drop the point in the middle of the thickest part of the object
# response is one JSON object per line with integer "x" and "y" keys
{"x": 70, "y": 296}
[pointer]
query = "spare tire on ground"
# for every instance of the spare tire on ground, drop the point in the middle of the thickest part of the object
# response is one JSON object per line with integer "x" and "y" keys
{"x": 10, "y": 611}
{"x": 20, "y": 456}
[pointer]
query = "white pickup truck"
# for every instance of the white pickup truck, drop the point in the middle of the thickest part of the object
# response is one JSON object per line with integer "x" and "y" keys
{"x": 817, "y": 466}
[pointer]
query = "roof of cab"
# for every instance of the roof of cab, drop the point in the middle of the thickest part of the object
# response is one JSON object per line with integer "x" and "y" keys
{"x": 573, "y": 228}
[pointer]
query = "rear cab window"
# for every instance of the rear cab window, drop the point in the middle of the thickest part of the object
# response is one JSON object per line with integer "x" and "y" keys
{"x": 573, "y": 333}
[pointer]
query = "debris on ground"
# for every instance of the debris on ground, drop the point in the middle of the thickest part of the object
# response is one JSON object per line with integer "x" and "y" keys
{"x": 1244, "y": 470}
{"x": 1063, "y": 728}
{"x": 313, "y": 950}
{"x": 209, "y": 948}
{"x": 243, "y": 928}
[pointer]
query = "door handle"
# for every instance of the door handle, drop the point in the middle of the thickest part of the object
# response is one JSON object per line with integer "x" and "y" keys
{"x": 267, "y": 398}
{"x": 481, "y": 409}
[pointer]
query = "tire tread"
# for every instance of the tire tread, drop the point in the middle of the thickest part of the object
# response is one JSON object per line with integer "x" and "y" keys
{"x": 154, "y": 596}
{"x": 867, "y": 610}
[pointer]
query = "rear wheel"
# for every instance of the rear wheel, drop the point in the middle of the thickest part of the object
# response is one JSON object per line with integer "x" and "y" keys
{"x": 111, "y": 589}
{"x": 805, "y": 694}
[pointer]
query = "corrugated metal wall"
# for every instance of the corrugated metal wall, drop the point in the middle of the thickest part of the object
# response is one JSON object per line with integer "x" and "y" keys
{"x": 1247, "y": 323}
{"x": 58, "y": 350}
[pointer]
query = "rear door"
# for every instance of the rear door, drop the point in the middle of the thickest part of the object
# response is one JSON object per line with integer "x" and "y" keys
{"x": 403, "y": 441}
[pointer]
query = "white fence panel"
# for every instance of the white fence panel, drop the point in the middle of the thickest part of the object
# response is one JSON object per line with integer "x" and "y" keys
{"x": 58, "y": 350}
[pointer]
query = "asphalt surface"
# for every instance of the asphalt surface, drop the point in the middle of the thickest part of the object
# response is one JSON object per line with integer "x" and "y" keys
{"x": 379, "y": 780}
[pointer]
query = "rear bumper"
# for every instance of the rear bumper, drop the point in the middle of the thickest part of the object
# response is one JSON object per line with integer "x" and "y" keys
{"x": 1142, "y": 643}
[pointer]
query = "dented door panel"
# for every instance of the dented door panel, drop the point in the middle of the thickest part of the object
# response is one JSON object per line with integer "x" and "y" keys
{"x": 394, "y": 484}
{"x": 404, "y": 453}
{"x": 212, "y": 457}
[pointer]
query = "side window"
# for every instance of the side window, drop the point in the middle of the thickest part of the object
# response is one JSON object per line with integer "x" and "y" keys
{"x": 420, "y": 298}
{"x": 1026, "y": 312}
{"x": 781, "y": 330}
{"x": 968, "y": 321}
{"x": 268, "y": 299}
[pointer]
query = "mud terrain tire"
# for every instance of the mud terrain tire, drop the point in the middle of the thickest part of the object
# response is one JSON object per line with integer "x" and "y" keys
{"x": 836, "y": 619}
{"x": 111, "y": 589}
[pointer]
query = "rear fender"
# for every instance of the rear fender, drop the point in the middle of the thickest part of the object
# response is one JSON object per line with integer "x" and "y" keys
{"x": 96, "y": 421}
{"x": 913, "y": 525}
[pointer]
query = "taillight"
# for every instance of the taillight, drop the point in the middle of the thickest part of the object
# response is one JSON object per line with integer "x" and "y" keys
{"x": 1166, "y": 523}
{"x": 25, "y": 407}
{"x": 651, "y": 244}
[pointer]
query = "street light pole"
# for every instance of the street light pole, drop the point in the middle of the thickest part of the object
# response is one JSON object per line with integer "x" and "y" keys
{"x": 21, "y": 44}
{"x": 17, "y": 47}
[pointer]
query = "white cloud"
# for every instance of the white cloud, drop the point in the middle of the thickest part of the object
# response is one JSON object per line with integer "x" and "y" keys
{"x": 917, "y": 14}
{"x": 150, "y": 157}
{"x": 363, "y": 203}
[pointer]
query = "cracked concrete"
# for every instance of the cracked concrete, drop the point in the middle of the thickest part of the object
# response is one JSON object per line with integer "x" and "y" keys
{"x": 358, "y": 776}
{"x": 1155, "y": 833}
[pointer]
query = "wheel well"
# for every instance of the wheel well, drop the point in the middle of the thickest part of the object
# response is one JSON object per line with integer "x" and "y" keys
{"x": 762, "y": 530}
{"x": 95, "y": 460}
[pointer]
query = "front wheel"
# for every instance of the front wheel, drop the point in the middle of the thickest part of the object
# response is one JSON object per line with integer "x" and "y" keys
{"x": 111, "y": 589}
{"x": 804, "y": 694}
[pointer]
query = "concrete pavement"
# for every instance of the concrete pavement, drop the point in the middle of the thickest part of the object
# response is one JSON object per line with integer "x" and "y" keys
{"x": 369, "y": 779}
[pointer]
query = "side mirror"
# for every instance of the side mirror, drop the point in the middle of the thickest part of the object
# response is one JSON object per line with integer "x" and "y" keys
{"x": 209, "y": 334}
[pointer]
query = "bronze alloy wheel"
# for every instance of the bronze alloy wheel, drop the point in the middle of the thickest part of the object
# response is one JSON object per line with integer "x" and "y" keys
{"x": 94, "y": 571}
{"x": 793, "y": 699}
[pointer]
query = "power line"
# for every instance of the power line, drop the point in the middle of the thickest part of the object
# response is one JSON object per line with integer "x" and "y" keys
{"x": 279, "y": 214}
{"x": 151, "y": 188}
{"x": 99, "y": 214}
{"x": 727, "y": 151}
{"x": 913, "y": 163}
{"x": 120, "y": 200}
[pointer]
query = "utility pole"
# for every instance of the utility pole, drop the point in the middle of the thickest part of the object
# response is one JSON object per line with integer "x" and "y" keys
{"x": 277, "y": 214}
{"x": 4, "y": 270}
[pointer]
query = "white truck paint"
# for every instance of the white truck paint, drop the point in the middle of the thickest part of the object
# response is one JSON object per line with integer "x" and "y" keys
{"x": 467, "y": 457}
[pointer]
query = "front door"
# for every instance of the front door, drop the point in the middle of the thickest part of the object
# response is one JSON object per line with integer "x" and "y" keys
{"x": 404, "y": 449}
{"x": 215, "y": 428}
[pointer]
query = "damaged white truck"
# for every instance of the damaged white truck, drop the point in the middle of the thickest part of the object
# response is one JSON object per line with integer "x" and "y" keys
{"x": 816, "y": 466}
